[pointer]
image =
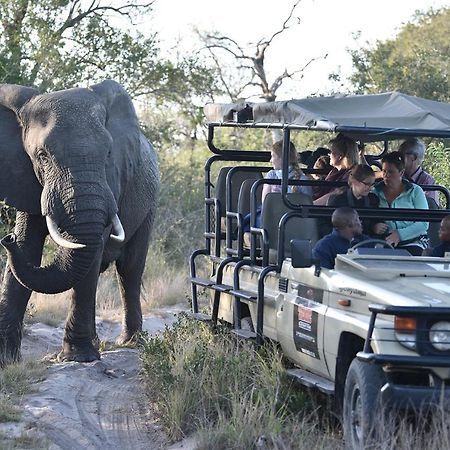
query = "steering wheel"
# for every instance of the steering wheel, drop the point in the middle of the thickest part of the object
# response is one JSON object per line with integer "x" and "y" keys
{"x": 372, "y": 241}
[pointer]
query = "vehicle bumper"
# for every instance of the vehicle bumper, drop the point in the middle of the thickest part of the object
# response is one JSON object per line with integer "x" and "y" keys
{"x": 414, "y": 397}
{"x": 408, "y": 396}
{"x": 401, "y": 360}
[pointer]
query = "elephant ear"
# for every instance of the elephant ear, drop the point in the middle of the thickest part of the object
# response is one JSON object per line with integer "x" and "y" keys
{"x": 121, "y": 118}
{"x": 19, "y": 186}
{"x": 123, "y": 126}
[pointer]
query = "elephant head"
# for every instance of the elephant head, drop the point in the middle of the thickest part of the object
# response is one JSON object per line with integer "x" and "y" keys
{"x": 55, "y": 150}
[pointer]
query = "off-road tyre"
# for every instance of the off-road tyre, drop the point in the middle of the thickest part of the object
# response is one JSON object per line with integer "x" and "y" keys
{"x": 363, "y": 414}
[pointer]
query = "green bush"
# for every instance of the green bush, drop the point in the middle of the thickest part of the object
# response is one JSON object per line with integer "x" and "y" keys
{"x": 437, "y": 163}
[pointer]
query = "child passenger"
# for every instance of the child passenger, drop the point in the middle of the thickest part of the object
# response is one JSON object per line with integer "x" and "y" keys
{"x": 347, "y": 231}
{"x": 295, "y": 173}
{"x": 444, "y": 236}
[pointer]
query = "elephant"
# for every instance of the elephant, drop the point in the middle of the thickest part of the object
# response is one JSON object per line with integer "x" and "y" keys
{"x": 75, "y": 166}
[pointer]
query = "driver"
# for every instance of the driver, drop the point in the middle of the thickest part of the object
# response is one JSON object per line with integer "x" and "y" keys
{"x": 347, "y": 231}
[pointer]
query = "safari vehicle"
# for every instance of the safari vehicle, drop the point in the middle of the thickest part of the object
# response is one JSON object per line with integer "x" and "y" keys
{"x": 373, "y": 330}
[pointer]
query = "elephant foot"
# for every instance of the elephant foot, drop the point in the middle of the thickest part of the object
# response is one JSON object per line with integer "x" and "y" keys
{"x": 78, "y": 353}
{"x": 128, "y": 338}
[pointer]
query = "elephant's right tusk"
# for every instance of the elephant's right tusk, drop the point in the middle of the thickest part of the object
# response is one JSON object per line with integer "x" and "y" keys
{"x": 57, "y": 236}
{"x": 118, "y": 233}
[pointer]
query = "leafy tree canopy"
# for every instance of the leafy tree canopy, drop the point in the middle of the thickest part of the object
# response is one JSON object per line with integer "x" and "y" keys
{"x": 55, "y": 44}
{"x": 416, "y": 62}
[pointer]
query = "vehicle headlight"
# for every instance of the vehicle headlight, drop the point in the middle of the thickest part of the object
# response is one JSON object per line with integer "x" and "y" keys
{"x": 440, "y": 336}
{"x": 405, "y": 331}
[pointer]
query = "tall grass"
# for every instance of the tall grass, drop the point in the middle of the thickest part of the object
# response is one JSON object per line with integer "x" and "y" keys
{"x": 231, "y": 394}
{"x": 16, "y": 380}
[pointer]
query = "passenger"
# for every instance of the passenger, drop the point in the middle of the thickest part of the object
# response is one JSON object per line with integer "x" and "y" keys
{"x": 295, "y": 173}
{"x": 396, "y": 192}
{"x": 316, "y": 154}
{"x": 347, "y": 231}
{"x": 304, "y": 157}
{"x": 322, "y": 163}
{"x": 413, "y": 152}
{"x": 343, "y": 156}
{"x": 358, "y": 195}
{"x": 444, "y": 235}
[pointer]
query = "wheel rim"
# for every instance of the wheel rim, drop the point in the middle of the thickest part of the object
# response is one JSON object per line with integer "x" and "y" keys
{"x": 356, "y": 415}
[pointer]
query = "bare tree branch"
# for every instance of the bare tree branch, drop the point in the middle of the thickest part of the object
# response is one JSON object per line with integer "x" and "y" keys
{"x": 279, "y": 80}
{"x": 284, "y": 27}
{"x": 95, "y": 8}
{"x": 254, "y": 64}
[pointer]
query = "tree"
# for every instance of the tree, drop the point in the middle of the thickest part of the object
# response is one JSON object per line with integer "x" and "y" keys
{"x": 55, "y": 44}
{"x": 249, "y": 70}
{"x": 415, "y": 62}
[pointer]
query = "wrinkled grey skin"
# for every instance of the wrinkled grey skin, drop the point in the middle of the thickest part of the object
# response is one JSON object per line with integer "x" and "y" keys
{"x": 78, "y": 157}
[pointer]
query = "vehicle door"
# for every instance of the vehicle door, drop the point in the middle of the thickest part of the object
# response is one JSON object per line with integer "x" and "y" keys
{"x": 300, "y": 321}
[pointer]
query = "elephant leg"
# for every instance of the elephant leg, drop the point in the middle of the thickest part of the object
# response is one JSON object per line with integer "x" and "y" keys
{"x": 30, "y": 231}
{"x": 79, "y": 330}
{"x": 130, "y": 267}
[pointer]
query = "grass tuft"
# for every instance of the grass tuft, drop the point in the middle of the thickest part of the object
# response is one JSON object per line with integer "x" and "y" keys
{"x": 233, "y": 395}
{"x": 17, "y": 380}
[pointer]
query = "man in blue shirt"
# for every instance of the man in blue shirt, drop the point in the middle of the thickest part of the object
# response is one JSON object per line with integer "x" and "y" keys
{"x": 346, "y": 232}
{"x": 444, "y": 236}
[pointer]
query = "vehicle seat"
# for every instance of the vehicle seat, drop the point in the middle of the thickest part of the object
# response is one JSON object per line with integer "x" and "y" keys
{"x": 237, "y": 179}
{"x": 296, "y": 228}
{"x": 243, "y": 206}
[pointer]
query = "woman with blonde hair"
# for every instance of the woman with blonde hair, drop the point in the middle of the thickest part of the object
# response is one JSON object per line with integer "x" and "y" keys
{"x": 344, "y": 154}
{"x": 295, "y": 172}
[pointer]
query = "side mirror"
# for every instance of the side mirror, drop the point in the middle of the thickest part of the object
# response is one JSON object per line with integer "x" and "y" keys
{"x": 301, "y": 255}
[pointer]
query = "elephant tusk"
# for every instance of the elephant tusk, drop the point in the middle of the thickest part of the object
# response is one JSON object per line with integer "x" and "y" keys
{"x": 57, "y": 236}
{"x": 118, "y": 233}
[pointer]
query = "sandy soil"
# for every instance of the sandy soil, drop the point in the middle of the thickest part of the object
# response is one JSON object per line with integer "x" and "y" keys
{"x": 97, "y": 405}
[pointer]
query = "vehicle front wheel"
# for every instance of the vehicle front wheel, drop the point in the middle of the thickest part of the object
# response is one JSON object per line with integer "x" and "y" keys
{"x": 362, "y": 416}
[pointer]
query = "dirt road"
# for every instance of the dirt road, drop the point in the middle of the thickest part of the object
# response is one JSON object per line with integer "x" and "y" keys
{"x": 98, "y": 405}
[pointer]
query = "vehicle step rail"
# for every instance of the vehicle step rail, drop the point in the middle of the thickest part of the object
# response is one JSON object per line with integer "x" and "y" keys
{"x": 201, "y": 317}
{"x": 311, "y": 380}
{"x": 244, "y": 334}
{"x": 204, "y": 282}
{"x": 244, "y": 295}
{"x": 208, "y": 283}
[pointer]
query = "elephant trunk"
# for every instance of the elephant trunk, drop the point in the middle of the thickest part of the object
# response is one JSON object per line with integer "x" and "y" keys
{"x": 68, "y": 267}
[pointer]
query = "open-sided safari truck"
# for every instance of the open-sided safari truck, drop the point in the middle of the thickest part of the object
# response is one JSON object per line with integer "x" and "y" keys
{"x": 374, "y": 330}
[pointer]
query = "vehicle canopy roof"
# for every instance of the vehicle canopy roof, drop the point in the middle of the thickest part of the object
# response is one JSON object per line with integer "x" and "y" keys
{"x": 376, "y": 117}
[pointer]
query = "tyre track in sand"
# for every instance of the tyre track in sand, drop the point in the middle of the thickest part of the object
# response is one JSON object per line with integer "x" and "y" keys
{"x": 99, "y": 405}
{"x": 95, "y": 405}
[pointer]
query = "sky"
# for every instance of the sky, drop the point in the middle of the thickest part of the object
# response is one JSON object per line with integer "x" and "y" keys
{"x": 326, "y": 27}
